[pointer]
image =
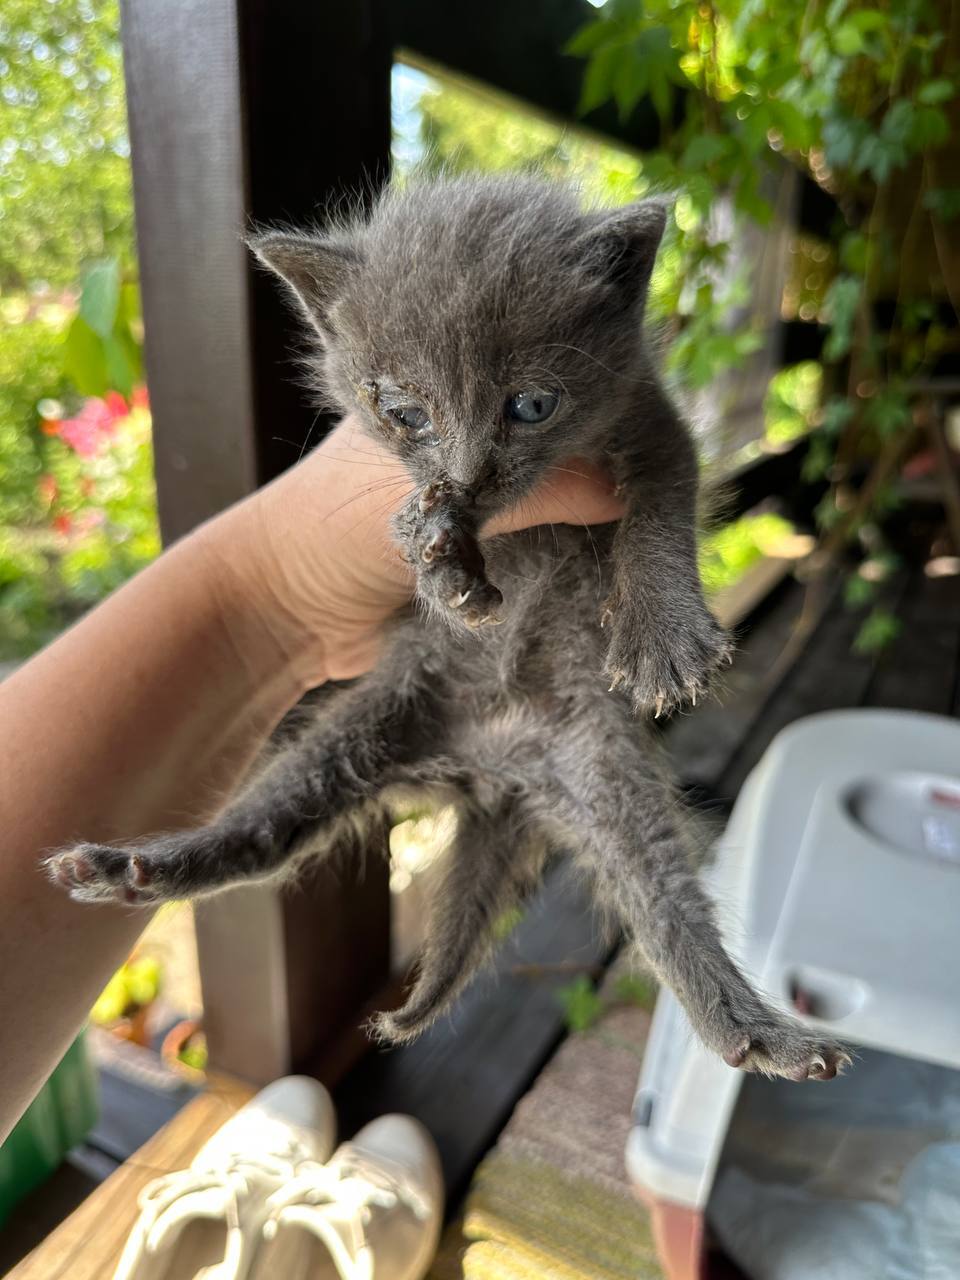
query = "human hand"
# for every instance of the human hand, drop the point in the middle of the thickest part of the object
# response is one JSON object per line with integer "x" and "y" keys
{"x": 313, "y": 554}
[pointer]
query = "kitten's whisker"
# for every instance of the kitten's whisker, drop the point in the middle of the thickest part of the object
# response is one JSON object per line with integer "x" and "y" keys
{"x": 569, "y": 346}
{"x": 580, "y": 520}
{"x": 371, "y": 515}
{"x": 377, "y": 487}
{"x": 306, "y": 440}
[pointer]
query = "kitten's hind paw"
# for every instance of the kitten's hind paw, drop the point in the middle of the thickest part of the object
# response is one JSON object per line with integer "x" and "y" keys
{"x": 787, "y": 1051}
{"x": 395, "y": 1028}
{"x": 100, "y": 873}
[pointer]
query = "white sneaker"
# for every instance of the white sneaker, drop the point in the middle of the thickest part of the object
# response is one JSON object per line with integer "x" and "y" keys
{"x": 207, "y": 1220}
{"x": 373, "y": 1213}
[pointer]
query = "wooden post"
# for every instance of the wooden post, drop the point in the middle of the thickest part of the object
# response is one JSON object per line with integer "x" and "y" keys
{"x": 247, "y": 111}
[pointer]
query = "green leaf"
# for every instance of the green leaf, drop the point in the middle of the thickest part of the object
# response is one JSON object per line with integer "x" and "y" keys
{"x": 879, "y": 629}
{"x": 634, "y": 988}
{"x": 119, "y": 371}
{"x": 84, "y": 359}
{"x": 837, "y": 412}
{"x": 100, "y": 296}
{"x": 840, "y": 305}
{"x": 936, "y": 91}
{"x": 858, "y": 591}
{"x": 703, "y": 149}
{"x": 580, "y": 1002}
{"x": 589, "y": 38}
{"x": 847, "y": 39}
{"x": 943, "y": 202}
{"x": 600, "y": 78}
{"x": 931, "y": 128}
{"x": 888, "y": 411}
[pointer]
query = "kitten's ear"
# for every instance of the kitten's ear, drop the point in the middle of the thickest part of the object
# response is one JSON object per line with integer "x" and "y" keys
{"x": 316, "y": 270}
{"x": 622, "y": 245}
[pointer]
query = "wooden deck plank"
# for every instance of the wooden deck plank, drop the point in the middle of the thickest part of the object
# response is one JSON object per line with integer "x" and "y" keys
{"x": 702, "y": 742}
{"x": 829, "y": 674}
{"x": 920, "y": 670}
{"x": 88, "y": 1244}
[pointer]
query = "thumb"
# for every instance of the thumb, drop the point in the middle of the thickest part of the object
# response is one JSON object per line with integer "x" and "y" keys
{"x": 574, "y": 492}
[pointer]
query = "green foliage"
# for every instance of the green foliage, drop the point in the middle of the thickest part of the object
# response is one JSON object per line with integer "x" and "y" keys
{"x": 98, "y": 527}
{"x": 727, "y": 554}
{"x": 31, "y": 368}
{"x": 464, "y": 132}
{"x": 878, "y": 630}
{"x": 861, "y": 100}
{"x": 77, "y": 504}
{"x": 581, "y": 1004}
{"x": 135, "y": 985}
{"x": 102, "y": 351}
{"x": 634, "y": 988}
{"x": 505, "y": 924}
{"x": 792, "y": 402}
{"x": 64, "y": 168}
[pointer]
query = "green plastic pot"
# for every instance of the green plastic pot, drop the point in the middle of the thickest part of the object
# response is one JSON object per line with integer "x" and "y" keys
{"x": 61, "y": 1115}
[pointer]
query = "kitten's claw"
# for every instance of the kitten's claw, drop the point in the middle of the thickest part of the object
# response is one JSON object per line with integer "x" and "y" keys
{"x": 458, "y": 598}
{"x": 474, "y": 619}
{"x": 618, "y": 678}
{"x": 438, "y": 546}
{"x": 606, "y": 617}
{"x": 790, "y": 1051}
{"x": 664, "y": 666}
{"x": 430, "y": 497}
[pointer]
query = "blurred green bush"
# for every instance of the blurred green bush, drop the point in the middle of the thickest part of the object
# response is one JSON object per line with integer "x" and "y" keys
{"x": 77, "y": 501}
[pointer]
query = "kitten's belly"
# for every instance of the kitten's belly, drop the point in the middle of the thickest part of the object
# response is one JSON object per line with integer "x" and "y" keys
{"x": 549, "y": 646}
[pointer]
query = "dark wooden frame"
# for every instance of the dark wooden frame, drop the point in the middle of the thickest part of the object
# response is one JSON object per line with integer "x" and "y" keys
{"x": 243, "y": 111}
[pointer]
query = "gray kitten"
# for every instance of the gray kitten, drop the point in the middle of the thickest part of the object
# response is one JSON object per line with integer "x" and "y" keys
{"x": 485, "y": 329}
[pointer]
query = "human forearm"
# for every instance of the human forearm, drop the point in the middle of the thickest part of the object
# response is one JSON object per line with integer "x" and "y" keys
{"x": 139, "y": 719}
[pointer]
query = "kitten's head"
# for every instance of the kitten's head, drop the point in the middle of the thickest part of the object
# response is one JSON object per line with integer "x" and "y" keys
{"x": 483, "y": 327}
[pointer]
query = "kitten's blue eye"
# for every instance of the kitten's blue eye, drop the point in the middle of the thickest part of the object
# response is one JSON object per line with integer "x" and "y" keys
{"x": 417, "y": 423}
{"x": 532, "y": 406}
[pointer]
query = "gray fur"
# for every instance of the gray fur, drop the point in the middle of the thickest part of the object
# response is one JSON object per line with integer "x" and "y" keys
{"x": 455, "y": 295}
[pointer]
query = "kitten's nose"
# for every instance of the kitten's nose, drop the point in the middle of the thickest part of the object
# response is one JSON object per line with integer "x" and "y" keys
{"x": 471, "y": 469}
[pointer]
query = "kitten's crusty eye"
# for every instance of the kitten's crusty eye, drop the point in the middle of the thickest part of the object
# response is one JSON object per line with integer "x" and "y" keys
{"x": 532, "y": 406}
{"x": 416, "y": 422}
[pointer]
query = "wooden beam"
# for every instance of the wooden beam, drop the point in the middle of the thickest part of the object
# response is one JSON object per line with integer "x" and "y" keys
{"x": 246, "y": 111}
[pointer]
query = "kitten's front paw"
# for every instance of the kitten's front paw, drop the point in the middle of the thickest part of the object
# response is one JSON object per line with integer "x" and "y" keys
{"x": 102, "y": 873}
{"x": 662, "y": 664}
{"x": 159, "y": 870}
{"x": 451, "y": 576}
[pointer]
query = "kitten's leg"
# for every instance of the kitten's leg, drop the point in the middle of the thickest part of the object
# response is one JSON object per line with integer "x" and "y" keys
{"x": 492, "y": 865}
{"x": 440, "y": 541}
{"x": 664, "y": 642}
{"x": 335, "y": 766}
{"x": 632, "y": 840}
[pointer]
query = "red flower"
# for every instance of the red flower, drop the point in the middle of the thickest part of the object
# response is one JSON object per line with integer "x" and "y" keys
{"x": 63, "y": 524}
{"x": 95, "y": 422}
{"x": 140, "y": 399}
{"x": 116, "y": 405}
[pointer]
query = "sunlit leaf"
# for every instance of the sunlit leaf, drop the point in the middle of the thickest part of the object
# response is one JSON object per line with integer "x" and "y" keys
{"x": 100, "y": 297}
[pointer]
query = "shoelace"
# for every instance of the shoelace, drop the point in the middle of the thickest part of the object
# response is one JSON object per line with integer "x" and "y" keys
{"x": 354, "y": 1186}
{"x": 235, "y": 1173}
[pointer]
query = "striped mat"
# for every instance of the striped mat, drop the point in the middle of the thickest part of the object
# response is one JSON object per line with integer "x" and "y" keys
{"x": 551, "y": 1201}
